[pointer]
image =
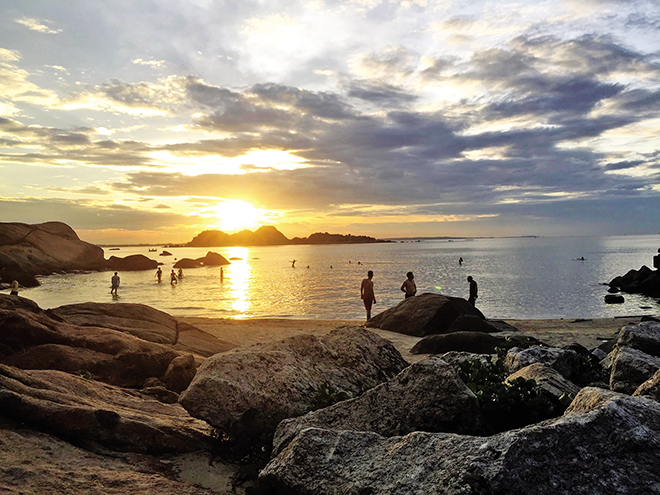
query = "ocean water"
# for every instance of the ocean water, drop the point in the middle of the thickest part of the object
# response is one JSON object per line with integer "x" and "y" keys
{"x": 519, "y": 278}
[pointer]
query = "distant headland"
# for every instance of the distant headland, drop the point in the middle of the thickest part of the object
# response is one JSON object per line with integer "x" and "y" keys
{"x": 270, "y": 236}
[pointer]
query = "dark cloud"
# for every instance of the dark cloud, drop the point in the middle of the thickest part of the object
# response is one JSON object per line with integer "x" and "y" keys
{"x": 383, "y": 95}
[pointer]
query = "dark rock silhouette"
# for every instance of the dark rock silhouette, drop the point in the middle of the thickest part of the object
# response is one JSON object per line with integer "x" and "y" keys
{"x": 43, "y": 249}
{"x": 270, "y": 236}
{"x": 213, "y": 259}
{"x": 187, "y": 263}
{"x": 614, "y": 299}
{"x": 133, "y": 262}
{"x": 643, "y": 281}
{"x": 472, "y": 342}
{"x": 423, "y": 315}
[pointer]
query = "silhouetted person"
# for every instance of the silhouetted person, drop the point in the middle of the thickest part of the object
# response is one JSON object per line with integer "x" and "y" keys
{"x": 159, "y": 274}
{"x": 460, "y": 261}
{"x": 173, "y": 278}
{"x": 656, "y": 260}
{"x": 473, "y": 291}
{"x": 114, "y": 284}
{"x": 180, "y": 275}
{"x": 222, "y": 275}
{"x": 367, "y": 293}
{"x": 293, "y": 263}
{"x": 409, "y": 286}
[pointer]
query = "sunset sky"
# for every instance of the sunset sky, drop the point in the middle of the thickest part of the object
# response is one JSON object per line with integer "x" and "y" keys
{"x": 150, "y": 121}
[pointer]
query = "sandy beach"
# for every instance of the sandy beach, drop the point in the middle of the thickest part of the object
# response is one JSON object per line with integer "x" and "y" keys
{"x": 588, "y": 332}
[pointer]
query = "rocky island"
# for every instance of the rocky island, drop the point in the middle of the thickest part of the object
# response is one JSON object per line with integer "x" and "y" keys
{"x": 270, "y": 236}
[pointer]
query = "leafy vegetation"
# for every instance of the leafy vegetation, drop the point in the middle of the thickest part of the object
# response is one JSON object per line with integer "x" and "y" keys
{"x": 327, "y": 396}
{"x": 507, "y": 406}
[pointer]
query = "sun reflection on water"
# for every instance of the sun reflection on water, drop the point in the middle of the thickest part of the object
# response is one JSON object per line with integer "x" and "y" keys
{"x": 238, "y": 276}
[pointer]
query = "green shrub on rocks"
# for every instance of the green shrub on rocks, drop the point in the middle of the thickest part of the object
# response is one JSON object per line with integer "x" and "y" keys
{"x": 506, "y": 406}
{"x": 327, "y": 396}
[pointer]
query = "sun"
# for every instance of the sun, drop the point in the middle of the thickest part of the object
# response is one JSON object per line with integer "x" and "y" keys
{"x": 238, "y": 215}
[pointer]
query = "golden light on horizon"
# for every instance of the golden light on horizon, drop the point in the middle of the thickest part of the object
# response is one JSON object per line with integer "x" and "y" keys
{"x": 235, "y": 215}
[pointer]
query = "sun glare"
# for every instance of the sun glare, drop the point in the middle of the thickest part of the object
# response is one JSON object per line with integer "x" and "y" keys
{"x": 238, "y": 215}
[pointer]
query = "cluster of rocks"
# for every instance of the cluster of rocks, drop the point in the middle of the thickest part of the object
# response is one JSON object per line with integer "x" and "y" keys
{"x": 415, "y": 434}
{"x": 28, "y": 251}
{"x": 643, "y": 281}
{"x": 346, "y": 413}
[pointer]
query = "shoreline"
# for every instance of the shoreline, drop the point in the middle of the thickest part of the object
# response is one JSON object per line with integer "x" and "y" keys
{"x": 555, "y": 332}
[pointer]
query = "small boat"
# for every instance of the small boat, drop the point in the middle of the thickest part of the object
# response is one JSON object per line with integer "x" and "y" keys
{"x": 153, "y": 250}
{"x": 113, "y": 249}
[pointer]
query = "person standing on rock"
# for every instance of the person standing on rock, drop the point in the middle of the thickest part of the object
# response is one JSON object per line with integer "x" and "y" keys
{"x": 409, "y": 286}
{"x": 14, "y": 288}
{"x": 367, "y": 293}
{"x": 114, "y": 284}
{"x": 473, "y": 291}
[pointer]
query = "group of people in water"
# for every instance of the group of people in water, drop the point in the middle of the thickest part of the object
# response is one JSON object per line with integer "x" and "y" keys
{"x": 174, "y": 277}
{"x": 408, "y": 287}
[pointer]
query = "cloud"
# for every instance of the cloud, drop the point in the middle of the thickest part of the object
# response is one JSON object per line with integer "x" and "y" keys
{"x": 87, "y": 215}
{"x": 149, "y": 63}
{"x": 157, "y": 98}
{"x": 38, "y": 25}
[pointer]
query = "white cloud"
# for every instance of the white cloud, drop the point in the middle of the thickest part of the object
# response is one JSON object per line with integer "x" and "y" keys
{"x": 37, "y": 25}
{"x": 9, "y": 55}
{"x": 150, "y": 63}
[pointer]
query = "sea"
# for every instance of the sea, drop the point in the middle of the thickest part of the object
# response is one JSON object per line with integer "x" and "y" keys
{"x": 518, "y": 278}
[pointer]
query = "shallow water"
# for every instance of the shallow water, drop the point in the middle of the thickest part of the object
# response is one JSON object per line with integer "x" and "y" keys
{"x": 519, "y": 278}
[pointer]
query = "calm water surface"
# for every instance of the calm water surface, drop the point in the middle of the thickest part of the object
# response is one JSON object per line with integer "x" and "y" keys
{"x": 519, "y": 278}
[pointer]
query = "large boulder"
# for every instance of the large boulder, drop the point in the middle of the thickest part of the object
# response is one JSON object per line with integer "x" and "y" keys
{"x": 605, "y": 443}
{"x": 645, "y": 337}
{"x": 423, "y": 315}
{"x": 213, "y": 259}
{"x": 42, "y": 249}
{"x": 139, "y": 320}
{"x": 474, "y": 323}
{"x": 474, "y": 342}
{"x": 86, "y": 411}
{"x": 35, "y": 339}
{"x": 630, "y": 368}
{"x": 133, "y": 262}
{"x": 247, "y": 391}
{"x": 427, "y": 396}
{"x": 187, "y": 263}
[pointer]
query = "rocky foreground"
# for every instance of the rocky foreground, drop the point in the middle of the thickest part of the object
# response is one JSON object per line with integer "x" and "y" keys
{"x": 120, "y": 398}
